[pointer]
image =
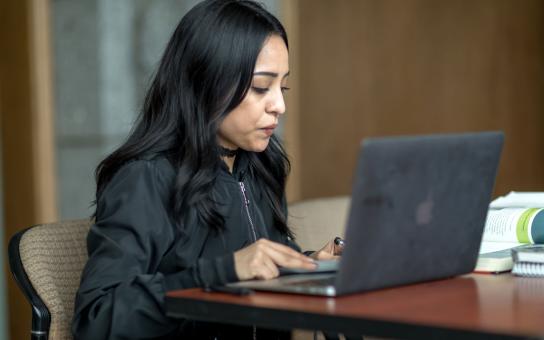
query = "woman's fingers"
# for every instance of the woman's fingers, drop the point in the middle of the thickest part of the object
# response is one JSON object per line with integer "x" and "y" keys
{"x": 262, "y": 259}
{"x": 331, "y": 250}
{"x": 270, "y": 270}
{"x": 286, "y": 250}
{"x": 286, "y": 257}
{"x": 283, "y": 249}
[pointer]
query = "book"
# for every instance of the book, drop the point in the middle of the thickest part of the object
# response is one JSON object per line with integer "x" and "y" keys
{"x": 496, "y": 262}
{"x": 516, "y": 199}
{"x": 513, "y": 220}
{"x": 532, "y": 253}
{"x": 528, "y": 269}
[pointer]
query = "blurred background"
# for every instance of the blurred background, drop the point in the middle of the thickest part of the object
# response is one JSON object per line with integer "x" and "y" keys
{"x": 73, "y": 74}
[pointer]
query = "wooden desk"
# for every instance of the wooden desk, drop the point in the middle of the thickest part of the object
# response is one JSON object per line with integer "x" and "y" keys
{"x": 474, "y": 306}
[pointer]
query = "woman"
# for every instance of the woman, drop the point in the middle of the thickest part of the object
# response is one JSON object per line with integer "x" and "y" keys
{"x": 195, "y": 196}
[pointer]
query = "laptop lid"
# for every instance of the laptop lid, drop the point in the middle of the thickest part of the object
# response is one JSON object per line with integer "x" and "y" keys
{"x": 417, "y": 213}
{"x": 418, "y": 209}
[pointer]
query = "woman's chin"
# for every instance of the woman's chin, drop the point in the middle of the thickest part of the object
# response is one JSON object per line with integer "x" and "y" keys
{"x": 258, "y": 147}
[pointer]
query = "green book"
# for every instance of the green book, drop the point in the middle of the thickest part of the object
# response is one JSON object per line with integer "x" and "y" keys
{"x": 512, "y": 222}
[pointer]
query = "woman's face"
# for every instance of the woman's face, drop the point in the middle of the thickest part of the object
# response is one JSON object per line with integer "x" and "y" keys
{"x": 251, "y": 124}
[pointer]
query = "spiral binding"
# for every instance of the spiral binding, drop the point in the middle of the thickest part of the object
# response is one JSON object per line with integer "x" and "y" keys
{"x": 528, "y": 269}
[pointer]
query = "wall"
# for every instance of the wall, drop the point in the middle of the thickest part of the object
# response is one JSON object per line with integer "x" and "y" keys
{"x": 105, "y": 55}
{"x": 386, "y": 67}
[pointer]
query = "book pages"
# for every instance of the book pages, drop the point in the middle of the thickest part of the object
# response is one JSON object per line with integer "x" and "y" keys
{"x": 519, "y": 200}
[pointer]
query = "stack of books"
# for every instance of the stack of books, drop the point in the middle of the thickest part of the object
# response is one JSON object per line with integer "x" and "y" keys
{"x": 513, "y": 222}
{"x": 528, "y": 261}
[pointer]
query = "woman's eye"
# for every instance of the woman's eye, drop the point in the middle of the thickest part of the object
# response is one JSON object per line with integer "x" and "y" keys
{"x": 260, "y": 90}
{"x": 284, "y": 89}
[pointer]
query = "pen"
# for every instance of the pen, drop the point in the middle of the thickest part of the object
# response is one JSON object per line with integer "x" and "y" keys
{"x": 229, "y": 290}
{"x": 339, "y": 242}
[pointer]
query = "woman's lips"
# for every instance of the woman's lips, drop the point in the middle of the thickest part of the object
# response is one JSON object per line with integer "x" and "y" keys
{"x": 269, "y": 130}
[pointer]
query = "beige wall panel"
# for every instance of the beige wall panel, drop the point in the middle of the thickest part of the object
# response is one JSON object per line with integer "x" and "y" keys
{"x": 290, "y": 19}
{"x": 27, "y": 137}
{"x": 386, "y": 67}
{"x": 17, "y": 164}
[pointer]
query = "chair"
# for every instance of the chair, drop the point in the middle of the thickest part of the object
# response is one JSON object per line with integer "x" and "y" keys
{"x": 317, "y": 221}
{"x": 46, "y": 261}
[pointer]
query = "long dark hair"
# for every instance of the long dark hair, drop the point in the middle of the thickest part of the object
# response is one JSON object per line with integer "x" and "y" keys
{"x": 205, "y": 72}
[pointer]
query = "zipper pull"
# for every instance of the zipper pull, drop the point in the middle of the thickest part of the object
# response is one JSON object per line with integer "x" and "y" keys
{"x": 243, "y": 188}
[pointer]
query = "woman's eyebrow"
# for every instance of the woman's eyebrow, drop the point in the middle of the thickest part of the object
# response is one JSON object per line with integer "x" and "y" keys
{"x": 269, "y": 74}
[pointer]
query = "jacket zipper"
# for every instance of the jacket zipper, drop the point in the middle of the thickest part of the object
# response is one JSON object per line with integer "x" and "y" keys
{"x": 246, "y": 205}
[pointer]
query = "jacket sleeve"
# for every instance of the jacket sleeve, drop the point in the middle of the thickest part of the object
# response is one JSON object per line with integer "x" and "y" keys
{"x": 121, "y": 294}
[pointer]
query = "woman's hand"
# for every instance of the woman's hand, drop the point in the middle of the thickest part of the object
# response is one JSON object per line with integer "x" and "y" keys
{"x": 261, "y": 259}
{"x": 332, "y": 250}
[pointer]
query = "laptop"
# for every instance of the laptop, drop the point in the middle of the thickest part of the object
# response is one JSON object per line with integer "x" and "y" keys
{"x": 417, "y": 213}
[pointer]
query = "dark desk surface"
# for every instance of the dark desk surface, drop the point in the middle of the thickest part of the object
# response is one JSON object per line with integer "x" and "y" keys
{"x": 471, "y": 306}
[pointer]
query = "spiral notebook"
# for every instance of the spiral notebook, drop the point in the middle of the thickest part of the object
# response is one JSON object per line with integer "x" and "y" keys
{"x": 528, "y": 269}
{"x": 528, "y": 261}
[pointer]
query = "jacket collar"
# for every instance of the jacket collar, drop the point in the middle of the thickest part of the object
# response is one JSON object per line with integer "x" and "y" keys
{"x": 240, "y": 168}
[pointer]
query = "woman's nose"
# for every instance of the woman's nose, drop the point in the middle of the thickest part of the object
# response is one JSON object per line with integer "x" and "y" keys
{"x": 276, "y": 104}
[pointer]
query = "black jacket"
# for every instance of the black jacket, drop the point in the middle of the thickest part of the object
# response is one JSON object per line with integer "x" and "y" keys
{"x": 136, "y": 253}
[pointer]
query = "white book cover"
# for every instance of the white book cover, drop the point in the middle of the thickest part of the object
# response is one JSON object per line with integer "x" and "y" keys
{"x": 519, "y": 199}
